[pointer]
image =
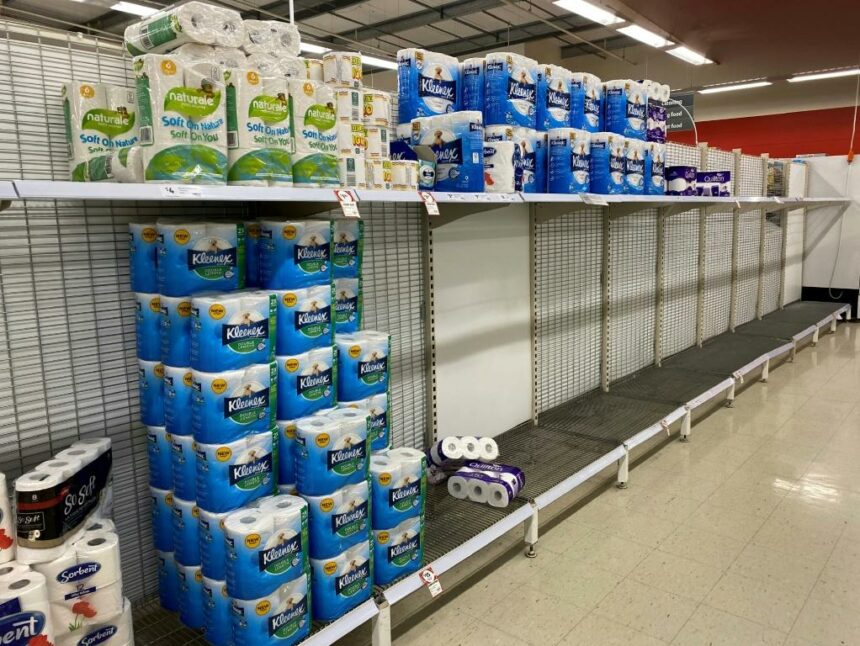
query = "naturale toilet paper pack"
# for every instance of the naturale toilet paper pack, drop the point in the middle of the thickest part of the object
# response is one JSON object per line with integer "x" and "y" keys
{"x": 314, "y": 125}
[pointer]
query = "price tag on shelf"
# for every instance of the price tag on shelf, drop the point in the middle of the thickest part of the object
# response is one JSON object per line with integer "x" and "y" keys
{"x": 348, "y": 203}
{"x": 432, "y": 209}
{"x": 177, "y": 190}
{"x": 431, "y": 581}
{"x": 594, "y": 200}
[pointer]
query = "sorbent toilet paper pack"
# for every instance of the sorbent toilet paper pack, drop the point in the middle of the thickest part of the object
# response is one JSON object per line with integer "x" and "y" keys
{"x": 186, "y": 544}
{"x": 295, "y": 253}
{"x": 213, "y": 553}
{"x": 347, "y": 305}
{"x": 399, "y": 483}
{"x": 148, "y": 326}
{"x": 160, "y": 466}
{"x": 233, "y": 474}
{"x": 398, "y": 551}
{"x": 218, "y": 626}
{"x": 362, "y": 364}
{"x": 162, "y": 519}
{"x": 501, "y": 164}
{"x": 151, "y": 390}
{"x": 330, "y": 454}
{"x": 306, "y": 382}
{"x": 283, "y": 617}
{"x": 233, "y": 330}
{"x": 110, "y": 631}
{"x": 200, "y": 256}
{"x": 190, "y": 595}
{"x": 428, "y": 84}
{"x": 232, "y": 404}
{"x": 26, "y": 612}
{"x": 175, "y": 330}
{"x": 511, "y": 90}
{"x": 304, "y": 319}
{"x": 178, "y": 393}
{"x": 183, "y": 463}
{"x": 168, "y": 581}
{"x": 143, "y": 251}
{"x": 338, "y": 520}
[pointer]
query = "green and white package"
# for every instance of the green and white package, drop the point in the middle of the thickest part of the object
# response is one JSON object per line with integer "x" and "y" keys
{"x": 193, "y": 22}
{"x": 258, "y": 127}
{"x": 314, "y": 120}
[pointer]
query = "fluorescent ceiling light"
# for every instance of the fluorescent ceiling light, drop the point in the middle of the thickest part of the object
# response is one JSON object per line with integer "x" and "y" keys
{"x": 731, "y": 88}
{"x": 378, "y": 62}
{"x": 688, "y": 55}
{"x": 854, "y": 71}
{"x": 314, "y": 49}
{"x": 644, "y": 36}
{"x": 590, "y": 11}
{"x": 134, "y": 8}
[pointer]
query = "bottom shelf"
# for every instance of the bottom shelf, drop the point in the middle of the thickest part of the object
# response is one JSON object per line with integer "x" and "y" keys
{"x": 570, "y": 443}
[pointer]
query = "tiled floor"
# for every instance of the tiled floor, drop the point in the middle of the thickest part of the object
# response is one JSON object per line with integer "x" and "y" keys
{"x": 749, "y": 534}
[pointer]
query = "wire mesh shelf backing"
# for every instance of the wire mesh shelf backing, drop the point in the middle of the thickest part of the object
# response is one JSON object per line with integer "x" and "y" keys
{"x": 632, "y": 293}
{"x": 568, "y": 253}
{"x": 772, "y": 271}
{"x": 750, "y": 184}
{"x": 718, "y": 257}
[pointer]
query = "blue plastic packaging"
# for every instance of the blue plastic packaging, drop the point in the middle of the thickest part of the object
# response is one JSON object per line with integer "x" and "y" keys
{"x": 162, "y": 519}
{"x": 553, "y": 100}
{"x": 634, "y": 167}
{"x": 472, "y": 73}
{"x": 378, "y": 425}
{"x": 399, "y": 484}
{"x": 282, "y": 618}
{"x": 175, "y": 330}
{"x": 341, "y": 583}
{"x": 347, "y": 248}
{"x": 398, "y": 551}
{"x": 213, "y": 555}
{"x": 569, "y": 161}
{"x": 511, "y": 90}
{"x": 362, "y": 368}
{"x": 200, "y": 256}
{"x": 348, "y": 305}
{"x": 143, "y": 248}
{"x": 217, "y": 611}
{"x": 306, "y": 383}
{"x": 338, "y": 520}
{"x": 183, "y": 467}
{"x": 607, "y": 163}
{"x": 147, "y": 326}
{"x": 330, "y": 453}
{"x": 168, "y": 581}
{"x": 286, "y": 455}
{"x": 234, "y": 474}
{"x": 151, "y": 389}
{"x": 160, "y": 468}
{"x": 190, "y": 595}
{"x": 295, "y": 254}
{"x": 252, "y": 254}
{"x": 626, "y": 108}
{"x": 186, "y": 546}
{"x": 457, "y": 141}
{"x": 428, "y": 84}
{"x": 586, "y": 102}
{"x": 178, "y": 392}
{"x": 655, "y": 166}
{"x": 304, "y": 319}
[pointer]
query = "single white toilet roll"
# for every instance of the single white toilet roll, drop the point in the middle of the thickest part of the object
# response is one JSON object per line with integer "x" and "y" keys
{"x": 458, "y": 487}
{"x": 471, "y": 448}
{"x": 488, "y": 448}
{"x": 13, "y": 570}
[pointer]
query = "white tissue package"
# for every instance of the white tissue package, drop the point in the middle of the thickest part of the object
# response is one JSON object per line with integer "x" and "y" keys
{"x": 342, "y": 68}
{"x": 271, "y": 37}
{"x": 26, "y": 614}
{"x": 193, "y": 22}
{"x": 500, "y": 166}
{"x": 428, "y": 84}
{"x": 314, "y": 125}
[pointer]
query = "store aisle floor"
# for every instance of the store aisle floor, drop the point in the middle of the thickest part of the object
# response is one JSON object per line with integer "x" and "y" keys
{"x": 748, "y": 534}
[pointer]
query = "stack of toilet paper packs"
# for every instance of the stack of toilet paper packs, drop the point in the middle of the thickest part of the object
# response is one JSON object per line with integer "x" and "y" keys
{"x": 66, "y": 584}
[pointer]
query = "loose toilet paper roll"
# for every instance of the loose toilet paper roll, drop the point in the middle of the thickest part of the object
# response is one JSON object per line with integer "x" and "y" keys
{"x": 351, "y": 140}
{"x": 342, "y": 68}
{"x": 314, "y": 114}
{"x": 263, "y": 36}
{"x": 12, "y": 571}
{"x": 457, "y": 141}
{"x": 607, "y": 163}
{"x": 234, "y": 474}
{"x": 339, "y": 520}
{"x": 511, "y": 89}
{"x": 404, "y": 175}
{"x": 399, "y": 485}
{"x": 472, "y": 71}
{"x": 162, "y": 519}
{"x": 190, "y": 595}
{"x": 634, "y": 167}
{"x": 286, "y": 457}
{"x": 286, "y": 613}
{"x": 111, "y": 631}
{"x": 160, "y": 465}
{"x": 304, "y": 320}
{"x": 168, "y": 581}
{"x": 306, "y": 382}
{"x": 266, "y": 548}
{"x": 362, "y": 364}
{"x": 217, "y": 612}
{"x": 378, "y": 424}
{"x": 7, "y": 525}
{"x": 569, "y": 161}
{"x": 186, "y": 542}
{"x": 626, "y": 108}
{"x": 379, "y": 174}
{"x": 553, "y": 97}
{"x": 398, "y": 551}
{"x": 377, "y": 142}
{"x": 232, "y": 331}
{"x": 231, "y": 404}
{"x": 501, "y": 161}
{"x": 294, "y": 253}
{"x": 349, "y": 104}
{"x": 151, "y": 389}
{"x": 329, "y": 455}
{"x": 377, "y": 108}
{"x": 342, "y": 582}
{"x": 87, "y": 136}
{"x": 188, "y": 23}
{"x": 148, "y": 326}
{"x": 142, "y": 239}
{"x": 347, "y": 305}
{"x": 428, "y": 84}
{"x": 586, "y": 101}
{"x": 200, "y": 256}
{"x": 178, "y": 393}
{"x": 352, "y": 171}
{"x": 314, "y": 69}
{"x": 175, "y": 330}
{"x": 26, "y": 611}
{"x": 213, "y": 555}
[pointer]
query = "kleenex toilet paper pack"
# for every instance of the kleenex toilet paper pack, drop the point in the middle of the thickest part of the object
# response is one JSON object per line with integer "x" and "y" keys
{"x": 347, "y": 247}
{"x": 511, "y": 90}
{"x": 231, "y": 404}
{"x": 569, "y": 160}
{"x": 362, "y": 364}
{"x": 304, "y": 319}
{"x": 339, "y": 520}
{"x": 186, "y": 545}
{"x": 147, "y": 326}
{"x": 341, "y": 583}
{"x": 655, "y": 168}
{"x": 233, "y": 474}
{"x": 347, "y": 305}
{"x": 160, "y": 467}
{"x": 162, "y": 518}
{"x": 378, "y": 422}
{"x": 175, "y": 330}
{"x": 200, "y": 256}
{"x": 330, "y": 454}
{"x": 232, "y": 330}
{"x": 143, "y": 252}
{"x": 472, "y": 73}
{"x": 283, "y": 617}
{"x": 217, "y": 611}
{"x": 213, "y": 555}
{"x": 190, "y": 595}
{"x": 398, "y": 551}
{"x": 457, "y": 141}
{"x": 168, "y": 580}
{"x": 306, "y": 382}
{"x": 183, "y": 463}
{"x": 150, "y": 376}
{"x": 626, "y": 108}
{"x": 553, "y": 97}
{"x": 586, "y": 102}
{"x": 178, "y": 391}
{"x": 399, "y": 480}
{"x": 428, "y": 84}
{"x": 608, "y": 163}
{"x": 286, "y": 457}
{"x": 295, "y": 253}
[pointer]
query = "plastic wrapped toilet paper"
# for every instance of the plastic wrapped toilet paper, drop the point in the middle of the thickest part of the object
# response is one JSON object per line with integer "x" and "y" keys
{"x": 530, "y": 157}
{"x": 175, "y": 330}
{"x": 351, "y": 141}
{"x": 608, "y": 163}
{"x": 232, "y": 404}
{"x": 314, "y": 69}
{"x": 404, "y": 175}
{"x": 143, "y": 251}
{"x": 112, "y": 631}
{"x": 306, "y": 382}
{"x": 283, "y": 617}
{"x": 329, "y": 454}
{"x": 190, "y": 595}
{"x": 12, "y": 570}
{"x": 89, "y": 123}
{"x": 314, "y": 126}
{"x": 347, "y": 248}
{"x": 472, "y": 73}
{"x": 294, "y": 254}
{"x": 714, "y": 183}
{"x": 233, "y": 330}
{"x": 352, "y": 171}
{"x": 569, "y": 161}
{"x": 218, "y": 625}
{"x": 586, "y": 101}
{"x": 264, "y": 36}
{"x": 147, "y": 326}
{"x": 286, "y": 457}
{"x": 378, "y": 423}
{"x": 471, "y": 447}
{"x": 428, "y": 84}
{"x": 511, "y": 90}
{"x": 342, "y": 582}
{"x": 634, "y": 167}
{"x": 347, "y": 305}
{"x": 265, "y": 64}
{"x": 399, "y": 479}
{"x": 377, "y": 142}
{"x": 362, "y": 364}
{"x": 183, "y": 464}
{"x": 379, "y": 174}
{"x": 266, "y": 548}
{"x": 681, "y": 180}
{"x": 160, "y": 466}
{"x": 349, "y": 105}
{"x": 377, "y": 108}
{"x": 656, "y": 126}
{"x": 168, "y": 581}
{"x": 213, "y": 555}
{"x": 304, "y": 319}
{"x": 252, "y": 253}
{"x": 553, "y": 97}
{"x": 316, "y": 170}
{"x": 26, "y": 615}
{"x": 162, "y": 519}
{"x": 186, "y": 544}
{"x": 403, "y": 132}
{"x": 126, "y": 165}
{"x": 200, "y": 256}
{"x": 178, "y": 391}
{"x": 398, "y": 551}
{"x": 457, "y": 141}
{"x": 194, "y": 22}
{"x": 151, "y": 389}
{"x": 234, "y": 474}
{"x": 500, "y": 166}
{"x": 121, "y": 122}
{"x": 342, "y": 68}
{"x": 493, "y": 484}
{"x": 339, "y": 520}
{"x": 193, "y": 52}
{"x": 626, "y": 108}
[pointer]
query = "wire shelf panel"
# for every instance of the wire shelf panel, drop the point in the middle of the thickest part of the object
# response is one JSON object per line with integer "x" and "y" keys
{"x": 772, "y": 270}
{"x": 718, "y": 273}
{"x": 749, "y": 237}
{"x": 751, "y": 180}
{"x": 632, "y": 287}
{"x": 568, "y": 252}
{"x": 718, "y": 160}
{"x": 680, "y": 281}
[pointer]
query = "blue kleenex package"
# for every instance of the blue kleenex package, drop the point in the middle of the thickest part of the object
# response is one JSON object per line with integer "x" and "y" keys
{"x": 147, "y": 326}
{"x": 428, "y": 84}
{"x": 330, "y": 453}
{"x": 185, "y": 543}
{"x": 347, "y": 247}
{"x": 282, "y": 618}
{"x": 151, "y": 391}
{"x": 306, "y": 383}
{"x": 304, "y": 319}
{"x": 213, "y": 555}
{"x": 160, "y": 469}
{"x": 295, "y": 254}
{"x": 200, "y": 256}
{"x": 362, "y": 364}
{"x": 142, "y": 246}
{"x": 234, "y": 474}
{"x": 175, "y": 330}
{"x": 178, "y": 391}
{"x": 184, "y": 466}
{"x": 457, "y": 141}
{"x": 342, "y": 582}
{"x": 398, "y": 551}
{"x": 338, "y": 520}
{"x": 217, "y": 612}
{"x": 511, "y": 90}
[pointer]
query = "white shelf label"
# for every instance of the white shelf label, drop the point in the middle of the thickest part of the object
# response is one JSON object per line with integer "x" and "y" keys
{"x": 176, "y": 190}
{"x": 348, "y": 203}
{"x": 431, "y": 581}
{"x": 432, "y": 209}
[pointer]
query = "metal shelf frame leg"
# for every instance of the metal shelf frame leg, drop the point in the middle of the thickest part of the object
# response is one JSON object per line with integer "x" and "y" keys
{"x": 530, "y": 528}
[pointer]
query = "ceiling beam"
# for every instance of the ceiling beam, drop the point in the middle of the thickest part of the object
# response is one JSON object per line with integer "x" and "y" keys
{"x": 615, "y": 42}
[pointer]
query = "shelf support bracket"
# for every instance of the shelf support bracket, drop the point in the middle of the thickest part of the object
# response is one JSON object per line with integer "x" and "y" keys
{"x": 623, "y": 469}
{"x": 381, "y": 623}
{"x": 531, "y": 532}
